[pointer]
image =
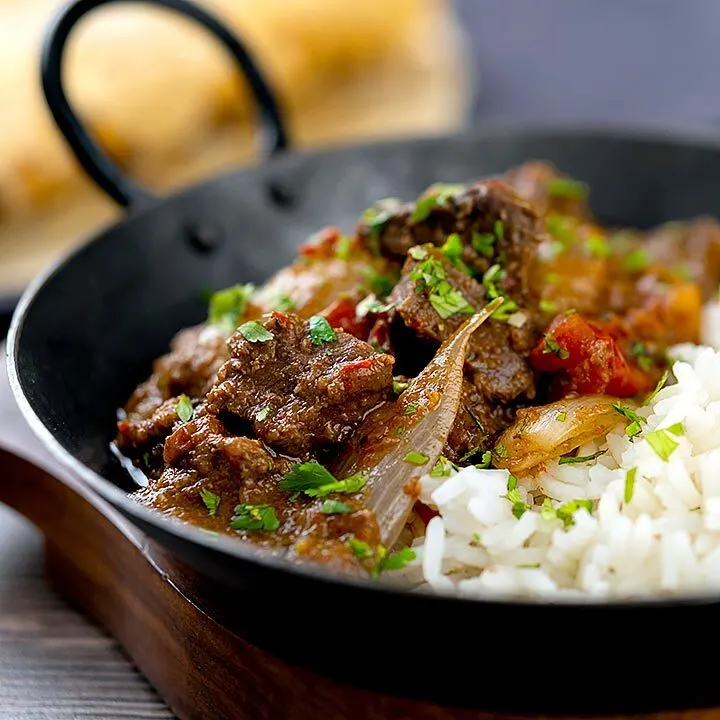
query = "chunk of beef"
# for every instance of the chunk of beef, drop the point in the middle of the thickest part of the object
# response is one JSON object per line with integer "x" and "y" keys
{"x": 692, "y": 247}
{"x": 298, "y": 396}
{"x": 495, "y": 225}
{"x": 209, "y": 473}
{"x": 548, "y": 191}
{"x": 190, "y": 368}
{"x": 477, "y": 423}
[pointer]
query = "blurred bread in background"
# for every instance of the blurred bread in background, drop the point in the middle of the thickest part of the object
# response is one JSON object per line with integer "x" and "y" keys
{"x": 165, "y": 100}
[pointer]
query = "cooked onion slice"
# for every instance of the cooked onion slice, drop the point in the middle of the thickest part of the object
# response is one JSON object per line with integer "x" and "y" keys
{"x": 541, "y": 434}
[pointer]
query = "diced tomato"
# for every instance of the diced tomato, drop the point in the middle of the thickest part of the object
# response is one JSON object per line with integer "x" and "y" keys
{"x": 379, "y": 336}
{"x": 343, "y": 314}
{"x": 587, "y": 358}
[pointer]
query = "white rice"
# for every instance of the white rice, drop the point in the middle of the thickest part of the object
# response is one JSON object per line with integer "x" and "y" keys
{"x": 664, "y": 541}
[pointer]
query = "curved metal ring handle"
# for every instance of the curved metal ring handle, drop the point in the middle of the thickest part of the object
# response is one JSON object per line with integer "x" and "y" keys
{"x": 93, "y": 160}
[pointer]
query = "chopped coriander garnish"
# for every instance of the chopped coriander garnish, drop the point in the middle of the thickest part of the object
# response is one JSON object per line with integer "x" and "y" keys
{"x": 550, "y": 345}
{"x": 452, "y": 249}
{"x": 501, "y": 451}
{"x": 578, "y": 459}
{"x": 629, "y": 484}
{"x": 443, "y": 468}
{"x": 254, "y": 517}
{"x": 438, "y": 194}
{"x": 417, "y": 253}
{"x": 677, "y": 429}
{"x": 416, "y": 458}
{"x": 400, "y": 386}
{"x": 184, "y": 408}
{"x": 567, "y": 511}
{"x": 381, "y": 285}
{"x": 382, "y": 559}
{"x": 342, "y": 247}
{"x": 485, "y": 460}
{"x": 662, "y": 443}
{"x": 519, "y": 509}
{"x": 284, "y": 303}
{"x": 312, "y": 479}
{"x": 320, "y": 330}
{"x": 377, "y": 216}
{"x": 473, "y": 452}
{"x": 512, "y": 483}
{"x": 397, "y": 560}
{"x": 492, "y": 276}
{"x": 561, "y": 416}
{"x": 450, "y": 302}
{"x": 211, "y": 501}
{"x": 335, "y": 507}
{"x": 423, "y": 207}
{"x": 548, "y": 511}
{"x": 658, "y": 388}
{"x": 548, "y": 306}
{"x": 410, "y": 409}
{"x": 254, "y": 331}
{"x": 567, "y": 188}
{"x": 598, "y": 246}
{"x": 227, "y": 306}
{"x": 642, "y": 356}
{"x": 360, "y": 548}
{"x": 634, "y": 428}
{"x": 519, "y": 506}
{"x": 499, "y": 229}
{"x": 261, "y": 415}
{"x": 482, "y": 243}
{"x": 637, "y": 260}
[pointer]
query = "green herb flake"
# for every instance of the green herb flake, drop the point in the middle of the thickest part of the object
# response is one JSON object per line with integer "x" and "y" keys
{"x": 450, "y": 302}
{"x": 343, "y": 245}
{"x": 284, "y": 303}
{"x": 547, "y": 306}
{"x": 561, "y": 416}
{"x": 548, "y": 511}
{"x": 485, "y": 460}
{"x": 381, "y": 285}
{"x": 500, "y": 451}
{"x": 482, "y": 243}
{"x": 566, "y": 512}
{"x": 351, "y": 484}
{"x": 320, "y": 330}
{"x": 184, "y": 408}
{"x": 263, "y": 414}
{"x": 662, "y": 443}
{"x": 211, "y": 501}
{"x": 360, "y": 548}
{"x": 471, "y": 453}
{"x": 598, "y": 246}
{"x": 453, "y": 249}
{"x": 660, "y": 385}
{"x": 630, "y": 476}
{"x": 418, "y": 253}
{"x": 519, "y": 509}
{"x": 254, "y": 517}
{"x": 642, "y": 356}
{"x": 443, "y": 468}
{"x": 677, "y": 429}
{"x": 314, "y": 480}
{"x": 499, "y": 229}
{"x": 423, "y": 207}
{"x": 410, "y": 409}
{"x": 512, "y": 483}
{"x": 383, "y": 561}
{"x": 377, "y": 216}
{"x": 397, "y": 560}
{"x": 227, "y": 307}
{"x": 416, "y": 458}
{"x": 550, "y": 345}
{"x": 567, "y": 188}
{"x": 636, "y": 421}
{"x": 399, "y": 386}
{"x": 254, "y": 331}
{"x": 579, "y": 459}
{"x": 335, "y": 507}
{"x": 636, "y": 261}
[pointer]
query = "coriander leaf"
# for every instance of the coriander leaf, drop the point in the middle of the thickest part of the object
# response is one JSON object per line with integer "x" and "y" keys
{"x": 578, "y": 459}
{"x": 254, "y": 517}
{"x": 443, "y": 468}
{"x": 423, "y": 207}
{"x": 550, "y": 345}
{"x": 184, "y": 408}
{"x": 304, "y": 476}
{"x": 567, "y": 188}
{"x": 482, "y": 243}
{"x": 512, "y": 483}
{"x": 567, "y": 511}
{"x": 634, "y": 428}
{"x": 561, "y": 416}
{"x": 381, "y": 285}
{"x": 416, "y": 458}
{"x": 211, "y": 501}
{"x": 400, "y": 386}
{"x": 320, "y": 330}
{"x": 548, "y": 511}
{"x": 658, "y": 388}
{"x": 335, "y": 507}
{"x": 343, "y": 246}
{"x": 485, "y": 460}
{"x": 519, "y": 509}
{"x": 501, "y": 451}
{"x": 677, "y": 429}
{"x": 410, "y": 409}
{"x": 637, "y": 260}
{"x": 377, "y": 216}
{"x": 642, "y": 356}
{"x": 360, "y": 548}
{"x": 263, "y": 414}
{"x": 451, "y": 302}
{"x": 471, "y": 453}
{"x": 284, "y": 303}
{"x": 452, "y": 249}
{"x": 397, "y": 560}
{"x": 254, "y": 331}
{"x": 598, "y": 245}
{"x": 499, "y": 229}
{"x": 227, "y": 307}
{"x": 629, "y": 484}
{"x": 662, "y": 443}
{"x": 351, "y": 484}
{"x": 547, "y": 306}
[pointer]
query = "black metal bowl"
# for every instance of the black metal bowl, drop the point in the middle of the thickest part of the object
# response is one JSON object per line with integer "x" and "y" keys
{"x": 86, "y": 331}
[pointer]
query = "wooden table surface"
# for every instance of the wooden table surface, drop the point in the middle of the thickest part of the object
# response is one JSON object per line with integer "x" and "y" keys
{"x": 54, "y": 662}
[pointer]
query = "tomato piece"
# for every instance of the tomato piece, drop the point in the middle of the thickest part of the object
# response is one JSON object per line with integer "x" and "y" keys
{"x": 588, "y": 359}
{"x": 343, "y": 314}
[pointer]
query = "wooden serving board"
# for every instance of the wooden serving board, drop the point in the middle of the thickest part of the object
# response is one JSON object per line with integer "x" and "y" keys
{"x": 168, "y": 619}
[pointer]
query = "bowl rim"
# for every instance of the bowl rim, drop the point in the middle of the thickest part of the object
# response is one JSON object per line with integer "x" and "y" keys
{"x": 247, "y": 552}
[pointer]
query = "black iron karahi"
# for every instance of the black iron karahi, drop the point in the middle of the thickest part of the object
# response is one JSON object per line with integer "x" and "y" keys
{"x": 86, "y": 331}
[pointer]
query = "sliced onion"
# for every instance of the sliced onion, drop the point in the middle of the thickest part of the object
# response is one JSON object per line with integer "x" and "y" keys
{"x": 401, "y": 441}
{"x": 545, "y": 433}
